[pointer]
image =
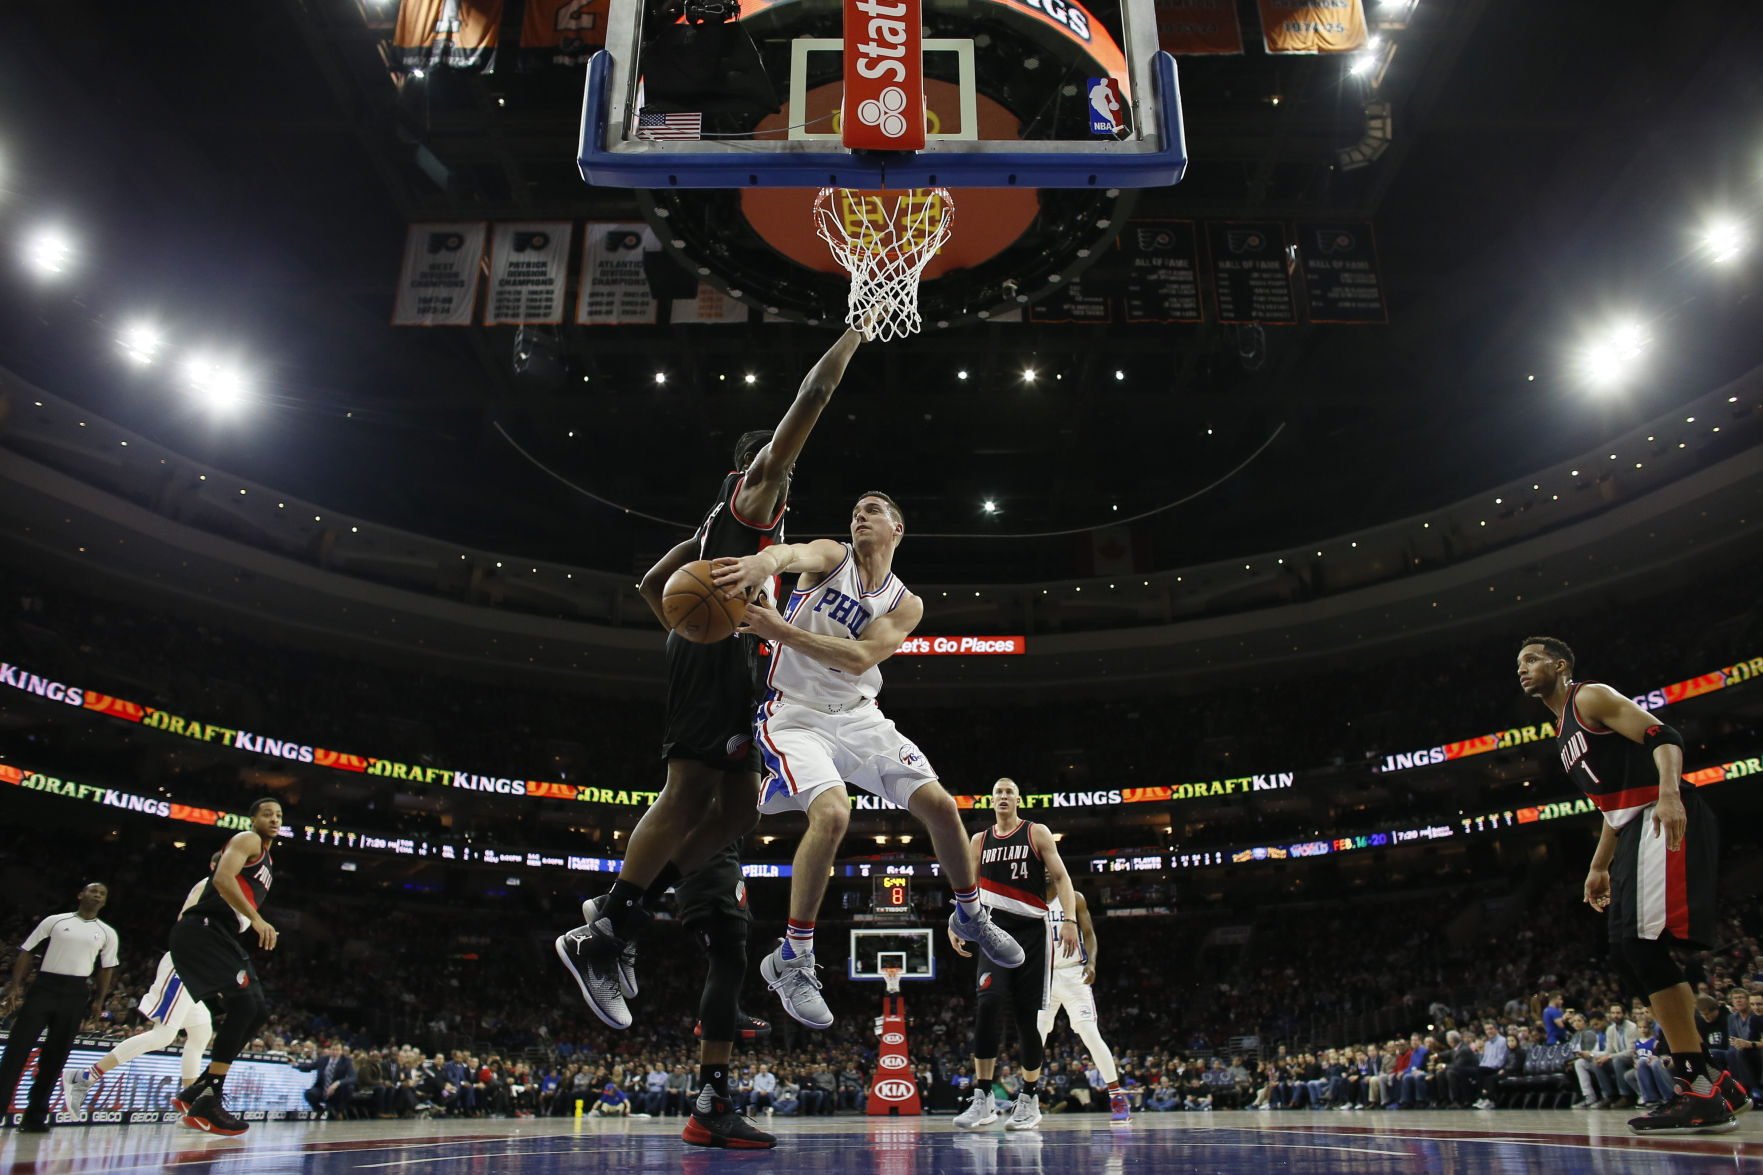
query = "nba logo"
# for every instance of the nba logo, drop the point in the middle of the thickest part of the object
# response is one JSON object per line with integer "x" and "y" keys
{"x": 1107, "y": 111}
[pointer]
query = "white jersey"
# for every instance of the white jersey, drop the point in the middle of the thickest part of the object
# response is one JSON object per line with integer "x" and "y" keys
{"x": 1055, "y": 918}
{"x": 837, "y": 606}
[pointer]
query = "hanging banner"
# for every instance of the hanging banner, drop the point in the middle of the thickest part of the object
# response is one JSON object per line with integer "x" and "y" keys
{"x": 1312, "y": 26}
{"x": 1194, "y": 28}
{"x": 1341, "y": 279}
{"x": 710, "y": 307}
{"x": 529, "y": 264}
{"x": 562, "y": 32}
{"x": 614, "y": 291}
{"x": 1073, "y": 302}
{"x": 1163, "y": 271}
{"x": 1249, "y": 272}
{"x": 457, "y": 34}
{"x": 438, "y": 283}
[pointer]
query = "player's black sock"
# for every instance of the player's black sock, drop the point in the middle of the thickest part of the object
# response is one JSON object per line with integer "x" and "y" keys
{"x": 715, "y": 1077}
{"x": 196, "y": 1088}
{"x": 1697, "y": 1069}
{"x": 670, "y": 873}
{"x": 1031, "y": 1089}
{"x": 217, "y": 1083}
{"x": 621, "y": 906}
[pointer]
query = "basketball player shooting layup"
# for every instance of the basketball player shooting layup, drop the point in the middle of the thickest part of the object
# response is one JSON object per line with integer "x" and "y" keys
{"x": 707, "y": 800}
{"x": 1653, "y": 872}
{"x": 819, "y": 727}
{"x": 168, "y": 1004}
{"x": 1018, "y": 863}
{"x": 1073, "y": 989}
{"x": 205, "y": 951}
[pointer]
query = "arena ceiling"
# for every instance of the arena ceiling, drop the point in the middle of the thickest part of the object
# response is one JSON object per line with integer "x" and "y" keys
{"x": 245, "y": 173}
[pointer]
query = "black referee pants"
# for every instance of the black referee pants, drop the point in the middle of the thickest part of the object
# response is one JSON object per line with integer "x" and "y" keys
{"x": 55, "y": 1002}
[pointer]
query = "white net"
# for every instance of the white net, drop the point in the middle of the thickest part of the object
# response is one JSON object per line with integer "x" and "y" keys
{"x": 891, "y": 976}
{"x": 884, "y": 240}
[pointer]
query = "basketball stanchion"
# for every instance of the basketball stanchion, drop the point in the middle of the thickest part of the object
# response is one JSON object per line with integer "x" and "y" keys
{"x": 884, "y": 240}
{"x": 895, "y": 1089}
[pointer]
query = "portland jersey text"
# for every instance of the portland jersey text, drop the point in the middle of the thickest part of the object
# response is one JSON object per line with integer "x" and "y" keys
{"x": 1011, "y": 874}
{"x": 837, "y": 606}
{"x": 255, "y": 878}
{"x": 1617, "y": 775}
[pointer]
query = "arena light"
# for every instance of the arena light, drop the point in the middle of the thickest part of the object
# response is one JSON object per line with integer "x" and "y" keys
{"x": 988, "y": 506}
{"x": 1613, "y": 356}
{"x": 48, "y": 251}
{"x": 1119, "y": 375}
{"x": 751, "y": 378}
{"x": 1028, "y": 375}
{"x": 660, "y": 377}
{"x": 1363, "y": 64}
{"x": 961, "y": 374}
{"x": 1724, "y": 240}
{"x": 139, "y": 342}
{"x": 220, "y": 386}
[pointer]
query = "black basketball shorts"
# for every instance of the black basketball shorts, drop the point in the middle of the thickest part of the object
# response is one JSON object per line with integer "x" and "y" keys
{"x": 712, "y": 695}
{"x": 1666, "y": 896}
{"x": 715, "y": 894}
{"x": 208, "y": 956}
{"x": 1022, "y": 991}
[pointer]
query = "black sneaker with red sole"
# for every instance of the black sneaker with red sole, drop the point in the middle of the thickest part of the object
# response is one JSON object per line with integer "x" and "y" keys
{"x": 747, "y": 1028}
{"x": 721, "y": 1126}
{"x": 1690, "y": 1112}
{"x": 208, "y": 1114}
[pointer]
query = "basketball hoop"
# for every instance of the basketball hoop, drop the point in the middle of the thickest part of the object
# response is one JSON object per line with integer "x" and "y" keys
{"x": 891, "y": 976}
{"x": 884, "y": 241}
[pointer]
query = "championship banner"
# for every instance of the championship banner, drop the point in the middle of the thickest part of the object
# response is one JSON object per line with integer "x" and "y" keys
{"x": 1249, "y": 273}
{"x": 1163, "y": 271}
{"x": 1195, "y": 28}
{"x": 437, "y": 285}
{"x": 883, "y": 108}
{"x": 1312, "y": 26}
{"x": 562, "y": 32}
{"x": 529, "y": 265}
{"x": 1341, "y": 279}
{"x": 614, "y": 290}
{"x": 711, "y": 307}
{"x": 458, "y": 34}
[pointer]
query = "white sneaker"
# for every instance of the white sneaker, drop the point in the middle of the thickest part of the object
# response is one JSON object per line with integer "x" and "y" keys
{"x": 982, "y": 1112}
{"x": 797, "y": 986}
{"x": 1026, "y": 1115}
{"x": 76, "y": 1082}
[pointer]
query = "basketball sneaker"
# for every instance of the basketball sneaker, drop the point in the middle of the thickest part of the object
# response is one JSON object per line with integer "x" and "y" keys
{"x": 983, "y": 1111}
{"x": 798, "y": 986}
{"x": 993, "y": 939}
{"x": 747, "y": 1027}
{"x": 207, "y": 1113}
{"x": 1118, "y": 1109}
{"x": 627, "y": 958}
{"x": 1728, "y": 1087}
{"x": 76, "y": 1082}
{"x": 591, "y": 953}
{"x": 714, "y": 1122}
{"x": 1690, "y": 1112}
{"x": 1026, "y": 1115}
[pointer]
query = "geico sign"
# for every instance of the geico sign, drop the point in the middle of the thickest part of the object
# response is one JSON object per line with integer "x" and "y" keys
{"x": 893, "y": 1061}
{"x": 894, "y": 1038}
{"x": 893, "y": 1090}
{"x": 964, "y": 645}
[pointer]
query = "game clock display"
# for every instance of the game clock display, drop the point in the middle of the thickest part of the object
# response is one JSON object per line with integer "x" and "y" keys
{"x": 891, "y": 894}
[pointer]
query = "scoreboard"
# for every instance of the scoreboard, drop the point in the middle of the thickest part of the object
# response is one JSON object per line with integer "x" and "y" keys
{"x": 891, "y": 894}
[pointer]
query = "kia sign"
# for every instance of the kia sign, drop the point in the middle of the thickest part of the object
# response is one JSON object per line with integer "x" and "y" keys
{"x": 894, "y": 1038}
{"x": 893, "y": 1061}
{"x": 964, "y": 646}
{"x": 894, "y": 1091}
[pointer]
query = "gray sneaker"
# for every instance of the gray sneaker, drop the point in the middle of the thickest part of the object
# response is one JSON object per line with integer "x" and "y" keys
{"x": 76, "y": 1083}
{"x": 983, "y": 1111}
{"x": 997, "y": 944}
{"x": 1026, "y": 1115}
{"x": 798, "y": 986}
{"x": 591, "y": 953}
{"x": 627, "y": 958}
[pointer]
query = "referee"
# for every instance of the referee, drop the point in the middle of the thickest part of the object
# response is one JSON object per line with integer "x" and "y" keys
{"x": 76, "y": 944}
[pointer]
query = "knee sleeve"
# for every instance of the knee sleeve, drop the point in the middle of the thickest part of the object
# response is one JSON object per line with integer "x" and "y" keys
{"x": 719, "y": 1006}
{"x": 1648, "y": 963}
{"x": 155, "y": 1038}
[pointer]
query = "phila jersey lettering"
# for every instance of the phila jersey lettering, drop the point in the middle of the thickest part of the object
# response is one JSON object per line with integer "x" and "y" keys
{"x": 837, "y": 606}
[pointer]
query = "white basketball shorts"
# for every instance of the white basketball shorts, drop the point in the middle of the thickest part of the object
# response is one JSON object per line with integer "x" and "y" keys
{"x": 806, "y": 750}
{"x": 168, "y": 1001}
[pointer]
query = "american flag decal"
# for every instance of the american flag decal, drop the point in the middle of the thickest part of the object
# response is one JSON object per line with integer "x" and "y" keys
{"x": 670, "y": 126}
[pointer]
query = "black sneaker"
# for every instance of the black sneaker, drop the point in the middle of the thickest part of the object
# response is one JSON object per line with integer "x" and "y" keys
{"x": 1688, "y": 1112}
{"x": 720, "y": 1126}
{"x": 627, "y": 958}
{"x": 747, "y": 1028}
{"x": 1728, "y": 1087}
{"x": 34, "y": 1123}
{"x": 207, "y": 1113}
{"x": 592, "y": 953}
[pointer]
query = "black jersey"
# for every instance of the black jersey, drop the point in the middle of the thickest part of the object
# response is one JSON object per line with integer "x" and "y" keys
{"x": 1617, "y": 775}
{"x": 1012, "y": 876}
{"x": 254, "y": 877}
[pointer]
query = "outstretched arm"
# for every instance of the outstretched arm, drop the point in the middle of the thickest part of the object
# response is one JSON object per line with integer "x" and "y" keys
{"x": 764, "y": 484}
{"x": 881, "y": 640}
{"x": 734, "y": 576}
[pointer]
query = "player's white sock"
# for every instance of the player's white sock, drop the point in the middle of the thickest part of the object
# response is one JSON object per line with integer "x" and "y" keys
{"x": 798, "y": 939}
{"x": 967, "y": 903}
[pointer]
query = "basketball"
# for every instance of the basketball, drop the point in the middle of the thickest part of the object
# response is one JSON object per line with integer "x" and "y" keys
{"x": 695, "y": 609}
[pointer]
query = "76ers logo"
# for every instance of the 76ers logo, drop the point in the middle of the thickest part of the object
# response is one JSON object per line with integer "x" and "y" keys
{"x": 911, "y": 756}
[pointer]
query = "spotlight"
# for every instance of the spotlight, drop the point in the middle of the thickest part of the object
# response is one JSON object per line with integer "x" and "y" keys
{"x": 1028, "y": 375}
{"x": 1724, "y": 240}
{"x": 139, "y": 342}
{"x": 47, "y": 251}
{"x": 751, "y": 378}
{"x": 961, "y": 374}
{"x": 660, "y": 377}
{"x": 989, "y": 506}
{"x": 215, "y": 384}
{"x": 1363, "y": 64}
{"x": 1119, "y": 375}
{"x": 1610, "y": 359}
